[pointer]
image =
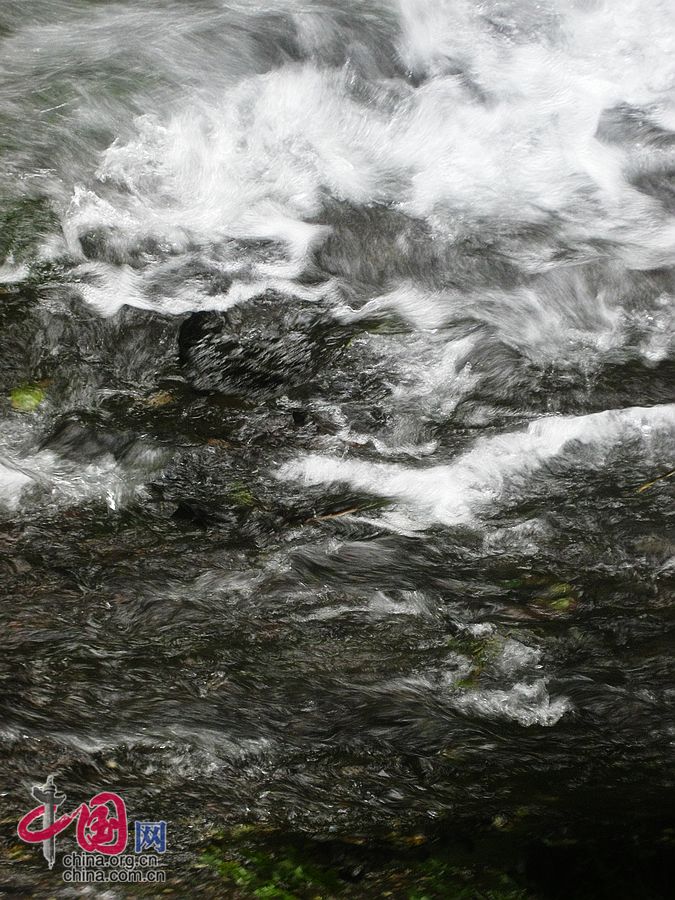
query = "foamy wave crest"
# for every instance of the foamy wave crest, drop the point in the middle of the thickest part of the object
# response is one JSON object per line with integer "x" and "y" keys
{"x": 507, "y": 119}
{"x": 495, "y": 470}
{"x": 526, "y": 704}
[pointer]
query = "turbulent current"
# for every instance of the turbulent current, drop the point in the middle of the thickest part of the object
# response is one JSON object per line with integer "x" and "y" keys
{"x": 337, "y": 362}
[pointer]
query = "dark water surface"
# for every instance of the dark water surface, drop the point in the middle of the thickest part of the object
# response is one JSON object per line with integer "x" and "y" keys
{"x": 337, "y": 373}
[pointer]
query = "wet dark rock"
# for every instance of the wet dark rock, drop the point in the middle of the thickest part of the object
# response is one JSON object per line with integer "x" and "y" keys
{"x": 375, "y": 247}
{"x": 22, "y": 225}
{"x": 112, "y": 245}
{"x": 71, "y": 345}
{"x": 206, "y": 277}
{"x": 632, "y": 125}
{"x": 191, "y": 512}
{"x": 659, "y": 184}
{"x": 84, "y": 443}
{"x": 266, "y": 346}
{"x": 299, "y": 417}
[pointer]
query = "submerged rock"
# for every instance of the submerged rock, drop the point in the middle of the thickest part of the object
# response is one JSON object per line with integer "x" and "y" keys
{"x": 86, "y": 442}
{"x": 268, "y": 345}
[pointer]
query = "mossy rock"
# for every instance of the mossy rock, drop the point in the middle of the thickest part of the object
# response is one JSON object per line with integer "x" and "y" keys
{"x": 559, "y": 597}
{"x": 256, "y": 863}
{"x": 559, "y": 604}
{"x": 281, "y": 873}
{"x": 545, "y": 591}
{"x": 240, "y": 495}
{"x": 27, "y": 397}
{"x": 480, "y": 650}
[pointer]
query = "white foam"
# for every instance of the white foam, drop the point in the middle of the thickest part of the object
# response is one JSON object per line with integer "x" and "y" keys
{"x": 12, "y": 483}
{"x": 504, "y": 130}
{"x": 11, "y": 273}
{"x": 563, "y": 318}
{"x": 58, "y": 481}
{"x": 525, "y": 703}
{"x": 516, "y": 656}
{"x": 494, "y": 470}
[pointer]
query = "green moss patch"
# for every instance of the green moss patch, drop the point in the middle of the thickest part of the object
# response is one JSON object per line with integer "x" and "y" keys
{"x": 27, "y": 397}
{"x": 545, "y": 592}
{"x": 261, "y": 863}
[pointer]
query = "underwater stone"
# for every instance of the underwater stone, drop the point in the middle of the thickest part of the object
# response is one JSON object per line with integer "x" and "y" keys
{"x": 76, "y": 440}
{"x": 268, "y": 345}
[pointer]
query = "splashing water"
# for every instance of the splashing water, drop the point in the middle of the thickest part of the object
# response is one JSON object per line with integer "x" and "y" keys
{"x": 345, "y": 499}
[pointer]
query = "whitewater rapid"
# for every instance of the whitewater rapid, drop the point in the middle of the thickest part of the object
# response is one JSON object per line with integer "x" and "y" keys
{"x": 351, "y": 334}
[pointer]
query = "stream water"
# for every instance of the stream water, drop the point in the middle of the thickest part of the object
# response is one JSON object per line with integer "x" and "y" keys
{"x": 337, "y": 371}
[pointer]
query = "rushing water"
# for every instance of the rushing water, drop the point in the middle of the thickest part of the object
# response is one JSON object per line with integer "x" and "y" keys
{"x": 341, "y": 336}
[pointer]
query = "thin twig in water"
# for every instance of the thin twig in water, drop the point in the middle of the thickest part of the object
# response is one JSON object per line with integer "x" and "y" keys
{"x": 335, "y": 515}
{"x": 648, "y": 484}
